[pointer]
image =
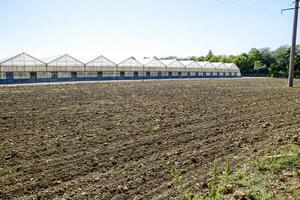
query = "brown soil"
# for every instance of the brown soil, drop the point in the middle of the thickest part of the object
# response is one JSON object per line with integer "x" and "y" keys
{"x": 118, "y": 140}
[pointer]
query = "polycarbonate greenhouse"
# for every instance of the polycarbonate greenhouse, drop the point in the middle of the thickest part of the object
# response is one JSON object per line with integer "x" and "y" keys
{"x": 220, "y": 69}
{"x": 209, "y": 70}
{"x": 66, "y": 67}
{"x": 192, "y": 67}
{"x": 101, "y": 67}
{"x": 154, "y": 68}
{"x": 24, "y": 68}
{"x": 131, "y": 68}
{"x": 175, "y": 68}
{"x": 233, "y": 69}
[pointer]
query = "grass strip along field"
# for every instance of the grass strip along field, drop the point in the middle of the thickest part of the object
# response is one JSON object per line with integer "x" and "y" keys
{"x": 259, "y": 178}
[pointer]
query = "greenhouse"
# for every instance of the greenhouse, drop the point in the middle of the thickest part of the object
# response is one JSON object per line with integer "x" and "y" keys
{"x": 233, "y": 69}
{"x": 101, "y": 68}
{"x": 131, "y": 68}
{"x": 175, "y": 68}
{"x": 193, "y": 68}
{"x": 24, "y": 68}
{"x": 208, "y": 69}
{"x": 221, "y": 69}
{"x": 154, "y": 68}
{"x": 65, "y": 67}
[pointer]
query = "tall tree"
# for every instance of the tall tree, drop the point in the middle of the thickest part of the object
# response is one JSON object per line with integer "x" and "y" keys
{"x": 243, "y": 62}
{"x": 281, "y": 56}
{"x": 209, "y": 55}
{"x": 266, "y": 57}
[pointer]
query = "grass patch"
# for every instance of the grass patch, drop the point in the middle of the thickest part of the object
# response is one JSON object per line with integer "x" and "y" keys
{"x": 260, "y": 178}
{"x": 287, "y": 159}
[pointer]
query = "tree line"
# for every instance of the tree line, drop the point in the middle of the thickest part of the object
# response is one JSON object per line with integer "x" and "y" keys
{"x": 259, "y": 61}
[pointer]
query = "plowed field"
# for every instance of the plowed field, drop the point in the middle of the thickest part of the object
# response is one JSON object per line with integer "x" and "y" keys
{"x": 118, "y": 140}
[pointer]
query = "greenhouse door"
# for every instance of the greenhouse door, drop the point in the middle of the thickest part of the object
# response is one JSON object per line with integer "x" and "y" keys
{"x": 73, "y": 75}
{"x": 9, "y": 77}
{"x": 148, "y": 74}
{"x": 99, "y": 74}
{"x": 54, "y": 75}
{"x": 159, "y": 74}
{"x": 33, "y": 75}
{"x": 122, "y": 74}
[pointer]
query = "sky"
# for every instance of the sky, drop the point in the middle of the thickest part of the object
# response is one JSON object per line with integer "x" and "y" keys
{"x": 123, "y": 28}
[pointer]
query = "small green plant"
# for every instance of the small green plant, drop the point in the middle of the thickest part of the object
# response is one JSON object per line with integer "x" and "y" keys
{"x": 217, "y": 184}
{"x": 213, "y": 176}
{"x": 261, "y": 178}
{"x": 177, "y": 179}
{"x": 288, "y": 159}
{"x": 227, "y": 172}
{"x": 175, "y": 175}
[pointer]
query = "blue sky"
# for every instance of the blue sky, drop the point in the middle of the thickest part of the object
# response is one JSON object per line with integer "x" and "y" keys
{"x": 87, "y": 28}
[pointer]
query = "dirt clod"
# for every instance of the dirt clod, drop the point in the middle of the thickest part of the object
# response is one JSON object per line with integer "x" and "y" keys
{"x": 194, "y": 160}
{"x": 267, "y": 124}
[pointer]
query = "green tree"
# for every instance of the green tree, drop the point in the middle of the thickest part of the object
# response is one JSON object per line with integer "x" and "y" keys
{"x": 209, "y": 55}
{"x": 262, "y": 60}
{"x": 243, "y": 63}
{"x": 266, "y": 57}
{"x": 254, "y": 55}
{"x": 258, "y": 65}
{"x": 281, "y": 56}
{"x": 214, "y": 59}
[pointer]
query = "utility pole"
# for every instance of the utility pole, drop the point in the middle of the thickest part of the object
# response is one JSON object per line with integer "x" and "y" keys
{"x": 293, "y": 49}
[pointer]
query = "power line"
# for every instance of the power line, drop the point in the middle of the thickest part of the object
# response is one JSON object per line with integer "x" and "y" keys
{"x": 253, "y": 8}
{"x": 281, "y": 2}
{"x": 247, "y": 7}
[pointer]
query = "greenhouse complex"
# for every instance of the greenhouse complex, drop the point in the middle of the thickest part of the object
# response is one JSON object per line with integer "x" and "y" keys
{"x": 24, "y": 68}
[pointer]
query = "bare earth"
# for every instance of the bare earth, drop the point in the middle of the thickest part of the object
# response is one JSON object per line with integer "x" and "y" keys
{"x": 119, "y": 140}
